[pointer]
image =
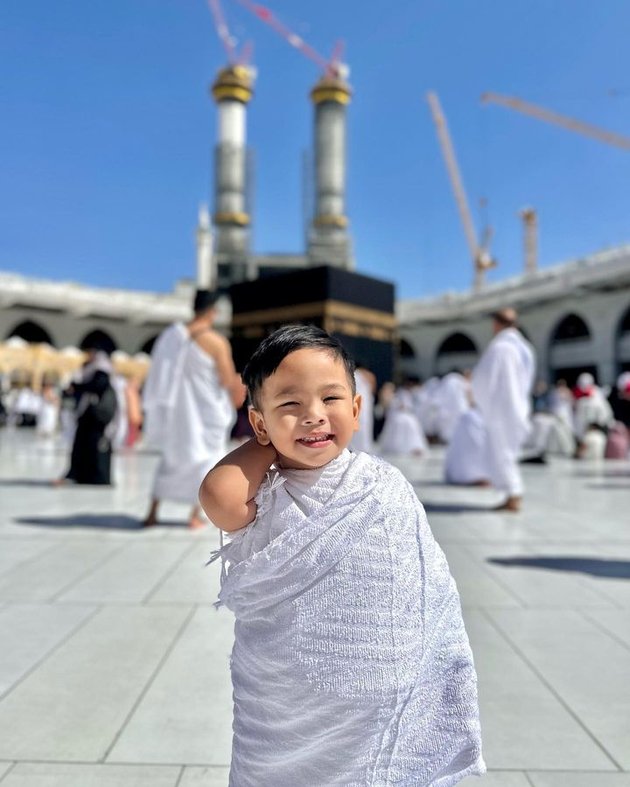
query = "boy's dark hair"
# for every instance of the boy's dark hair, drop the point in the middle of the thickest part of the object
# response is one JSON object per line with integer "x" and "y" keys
{"x": 274, "y": 349}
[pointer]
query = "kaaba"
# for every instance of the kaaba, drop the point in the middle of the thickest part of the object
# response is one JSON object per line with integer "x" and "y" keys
{"x": 357, "y": 309}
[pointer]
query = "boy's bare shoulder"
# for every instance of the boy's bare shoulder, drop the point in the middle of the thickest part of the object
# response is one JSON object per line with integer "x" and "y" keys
{"x": 211, "y": 341}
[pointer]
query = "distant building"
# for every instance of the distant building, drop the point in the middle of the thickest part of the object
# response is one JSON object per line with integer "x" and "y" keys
{"x": 577, "y": 316}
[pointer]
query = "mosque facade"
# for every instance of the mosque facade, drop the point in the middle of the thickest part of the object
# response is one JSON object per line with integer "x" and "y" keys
{"x": 576, "y": 315}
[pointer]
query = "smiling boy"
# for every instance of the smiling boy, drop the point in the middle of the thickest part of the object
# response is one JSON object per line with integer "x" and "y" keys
{"x": 351, "y": 664}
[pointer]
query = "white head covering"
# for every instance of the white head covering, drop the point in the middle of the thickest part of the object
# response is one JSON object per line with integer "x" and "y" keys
{"x": 623, "y": 382}
{"x": 585, "y": 381}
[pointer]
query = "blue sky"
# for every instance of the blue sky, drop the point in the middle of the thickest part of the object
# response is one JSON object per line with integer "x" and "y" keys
{"x": 107, "y": 132}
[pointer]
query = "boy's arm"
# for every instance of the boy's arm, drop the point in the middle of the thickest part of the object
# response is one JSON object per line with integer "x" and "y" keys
{"x": 227, "y": 492}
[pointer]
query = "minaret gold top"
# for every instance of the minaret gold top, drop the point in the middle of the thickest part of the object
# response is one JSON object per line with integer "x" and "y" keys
{"x": 233, "y": 82}
{"x": 331, "y": 88}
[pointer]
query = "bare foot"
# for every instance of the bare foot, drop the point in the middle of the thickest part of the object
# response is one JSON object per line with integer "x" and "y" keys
{"x": 483, "y": 483}
{"x": 59, "y": 482}
{"x": 149, "y": 520}
{"x": 196, "y": 523}
{"x": 512, "y": 504}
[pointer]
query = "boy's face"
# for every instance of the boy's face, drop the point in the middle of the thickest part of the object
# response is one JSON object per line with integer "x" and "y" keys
{"x": 307, "y": 409}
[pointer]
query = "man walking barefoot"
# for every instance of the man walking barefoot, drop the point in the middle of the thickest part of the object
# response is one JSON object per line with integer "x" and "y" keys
{"x": 190, "y": 398}
{"x": 502, "y": 385}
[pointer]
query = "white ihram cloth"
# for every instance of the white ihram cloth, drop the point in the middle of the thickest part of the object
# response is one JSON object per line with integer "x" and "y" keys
{"x": 402, "y": 433}
{"x": 466, "y": 456}
{"x": 160, "y": 389}
{"x": 502, "y": 383}
{"x": 121, "y": 423}
{"x": 48, "y": 417}
{"x": 363, "y": 439}
{"x": 196, "y": 426}
{"x": 351, "y": 665}
{"x": 590, "y": 410}
{"x": 452, "y": 400}
{"x": 426, "y": 405}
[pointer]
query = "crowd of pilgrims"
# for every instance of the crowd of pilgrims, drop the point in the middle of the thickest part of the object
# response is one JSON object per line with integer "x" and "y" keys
{"x": 95, "y": 413}
{"x": 100, "y": 412}
{"x": 586, "y": 421}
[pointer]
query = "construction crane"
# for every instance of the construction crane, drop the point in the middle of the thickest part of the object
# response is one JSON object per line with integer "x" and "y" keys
{"x": 226, "y": 38}
{"x": 332, "y": 67}
{"x": 530, "y": 238}
{"x": 578, "y": 126}
{"x": 479, "y": 249}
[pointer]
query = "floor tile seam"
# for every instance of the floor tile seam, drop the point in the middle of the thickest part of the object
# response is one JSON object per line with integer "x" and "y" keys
{"x": 71, "y": 633}
{"x": 22, "y": 563}
{"x": 600, "y": 591}
{"x": 149, "y": 683}
{"x": 165, "y": 577}
{"x": 180, "y": 777}
{"x": 550, "y": 688}
{"x": 184, "y": 767}
{"x": 499, "y": 582}
{"x": 579, "y": 771}
{"x": 126, "y": 763}
{"x": 134, "y": 602}
{"x": 11, "y": 768}
{"x": 66, "y": 588}
{"x": 113, "y": 764}
{"x": 606, "y": 630}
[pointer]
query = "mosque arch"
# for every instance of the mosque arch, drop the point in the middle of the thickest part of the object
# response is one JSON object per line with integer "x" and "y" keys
{"x": 456, "y": 351}
{"x": 147, "y": 347}
{"x": 31, "y": 332}
{"x": 624, "y": 323}
{"x": 571, "y": 349}
{"x": 406, "y": 349}
{"x": 100, "y": 339}
{"x": 622, "y": 342}
{"x": 457, "y": 343}
{"x": 570, "y": 328}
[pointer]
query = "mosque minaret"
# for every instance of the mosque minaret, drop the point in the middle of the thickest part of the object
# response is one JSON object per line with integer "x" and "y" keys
{"x": 329, "y": 241}
{"x": 232, "y": 91}
{"x": 206, "y": 261}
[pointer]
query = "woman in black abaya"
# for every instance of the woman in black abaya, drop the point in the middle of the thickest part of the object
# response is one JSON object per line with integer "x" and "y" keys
{"x": 91, "y": 457}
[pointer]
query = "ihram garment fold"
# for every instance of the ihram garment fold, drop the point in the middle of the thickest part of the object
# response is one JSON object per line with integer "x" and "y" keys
{"x": 351, "y": 665}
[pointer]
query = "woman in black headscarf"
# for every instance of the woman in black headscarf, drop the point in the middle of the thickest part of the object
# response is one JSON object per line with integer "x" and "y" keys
{"x": 91, "y": 457}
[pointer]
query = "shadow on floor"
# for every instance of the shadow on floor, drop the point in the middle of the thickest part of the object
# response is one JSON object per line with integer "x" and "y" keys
{"x": 39, "y": 482}
{"x": 455, "y": 508}
{"x": 601, "y": 474}
{"x": 104, "y": 521}
{"x": 624, "y": 487}
{"x": 596, "y": 567}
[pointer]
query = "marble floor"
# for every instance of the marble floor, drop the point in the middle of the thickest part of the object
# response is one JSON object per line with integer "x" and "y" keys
{"x": 114, "y": 664}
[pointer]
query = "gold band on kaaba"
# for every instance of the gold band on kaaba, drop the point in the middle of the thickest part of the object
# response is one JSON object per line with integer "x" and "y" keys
{"x": 335, "y": 316}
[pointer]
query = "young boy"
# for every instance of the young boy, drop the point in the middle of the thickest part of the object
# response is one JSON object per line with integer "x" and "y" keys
{"x": 351, "y": 665}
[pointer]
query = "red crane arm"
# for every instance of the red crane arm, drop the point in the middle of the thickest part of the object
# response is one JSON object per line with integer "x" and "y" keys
{"x": 267, "y": 16}
{"x": 222, "y": 30}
